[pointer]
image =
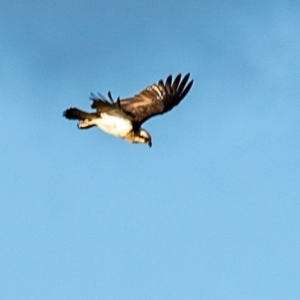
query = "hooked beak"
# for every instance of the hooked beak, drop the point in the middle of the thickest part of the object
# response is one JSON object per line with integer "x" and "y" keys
{"x": 150, "y": 144}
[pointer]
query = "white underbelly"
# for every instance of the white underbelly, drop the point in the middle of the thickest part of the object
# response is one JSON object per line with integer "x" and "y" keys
{"x": 116, "y": 126}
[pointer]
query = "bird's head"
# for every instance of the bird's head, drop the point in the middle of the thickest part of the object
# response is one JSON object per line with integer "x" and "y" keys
{"x": 143, "y": 137}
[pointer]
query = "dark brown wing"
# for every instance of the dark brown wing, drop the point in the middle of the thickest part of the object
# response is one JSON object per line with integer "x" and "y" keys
{"x": 102, "y": 105}
{"x": 157, "y": 98}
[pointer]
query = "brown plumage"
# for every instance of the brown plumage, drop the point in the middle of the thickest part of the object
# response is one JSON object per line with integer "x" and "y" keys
{"x": 123, "y": 118}
{"x": 154, "y": 100}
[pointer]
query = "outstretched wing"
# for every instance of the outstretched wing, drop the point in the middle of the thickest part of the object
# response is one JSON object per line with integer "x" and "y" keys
{"x": 157, "y": 98}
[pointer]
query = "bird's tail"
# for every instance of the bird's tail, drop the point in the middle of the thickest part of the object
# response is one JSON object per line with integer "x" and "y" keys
{"x": 85, "y": 119}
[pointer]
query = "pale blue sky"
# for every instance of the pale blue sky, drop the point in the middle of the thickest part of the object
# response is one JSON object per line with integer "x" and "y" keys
{"x": 211, "y": 211}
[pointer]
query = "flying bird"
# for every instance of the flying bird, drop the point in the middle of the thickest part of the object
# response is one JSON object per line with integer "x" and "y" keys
{"x": 123, "y": 118}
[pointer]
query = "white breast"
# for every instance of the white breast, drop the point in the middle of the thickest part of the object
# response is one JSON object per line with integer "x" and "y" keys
{"x": 116, "y": 126}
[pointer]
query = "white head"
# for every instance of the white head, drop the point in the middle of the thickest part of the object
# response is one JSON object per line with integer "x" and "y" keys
{"x": 143, "y": 137}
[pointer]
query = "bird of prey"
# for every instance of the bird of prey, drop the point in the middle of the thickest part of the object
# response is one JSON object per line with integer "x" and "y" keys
{"x": 123, "y": 118}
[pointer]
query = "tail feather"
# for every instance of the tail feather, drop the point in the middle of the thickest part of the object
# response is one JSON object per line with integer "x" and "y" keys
{"x": 85, "y": 119}
{"x": 77, "y": 114}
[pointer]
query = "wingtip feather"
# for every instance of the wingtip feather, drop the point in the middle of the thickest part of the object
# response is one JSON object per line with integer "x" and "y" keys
{"x": 186, "y": 89}
{"x": 183, "y": 83}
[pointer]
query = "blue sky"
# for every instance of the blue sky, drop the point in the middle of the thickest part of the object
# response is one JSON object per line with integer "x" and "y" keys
{"x": 211, "y": 211}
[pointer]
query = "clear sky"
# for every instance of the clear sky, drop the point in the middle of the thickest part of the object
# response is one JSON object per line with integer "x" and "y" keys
{"x": 211, "y": 211}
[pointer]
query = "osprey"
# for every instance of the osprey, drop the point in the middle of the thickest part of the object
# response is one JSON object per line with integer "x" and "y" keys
{"x": 123, "y": 118}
